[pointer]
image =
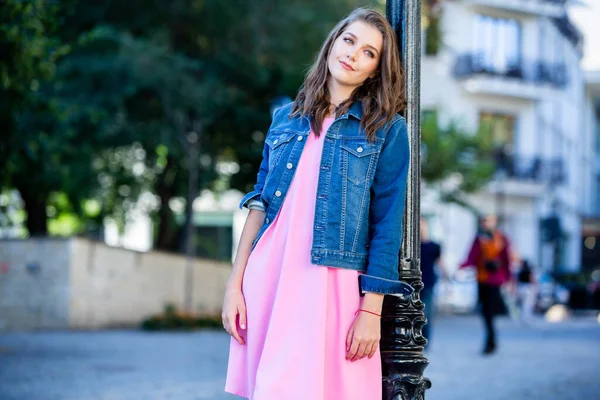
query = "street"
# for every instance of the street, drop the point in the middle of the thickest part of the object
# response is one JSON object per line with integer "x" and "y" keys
{"x": 546, "y": 361}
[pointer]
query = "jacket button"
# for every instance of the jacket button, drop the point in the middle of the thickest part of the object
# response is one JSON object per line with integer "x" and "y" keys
{"x": 278, "y": 193}
{"x": 360, "y": 149}
{"x": 268, "y": 220}
{"x": 300, "y": 138}
{"x": 275, "y": 141}
{"x": 289, "y": 165}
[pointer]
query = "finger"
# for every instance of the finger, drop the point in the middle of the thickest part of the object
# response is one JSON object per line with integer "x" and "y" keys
{"x": 242, "y": 316}
{"x": 349, "y": 339}
{"x": 353, "y": 348}
{"x": 368, "y": 349}
{"x": 360, "y": 352}
{"x": 233, "y": 329}
{"x": 226, "y": 324}
{"x": 374, "y": 349}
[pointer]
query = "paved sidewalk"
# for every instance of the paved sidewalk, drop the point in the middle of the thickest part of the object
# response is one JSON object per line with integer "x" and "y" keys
{"x": 545, "y": 362}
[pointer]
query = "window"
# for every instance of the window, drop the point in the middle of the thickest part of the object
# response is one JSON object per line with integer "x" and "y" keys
{"x": 501, "y": 127}
{"x": 433, "y": 35}
{"x": 496, "y": 45}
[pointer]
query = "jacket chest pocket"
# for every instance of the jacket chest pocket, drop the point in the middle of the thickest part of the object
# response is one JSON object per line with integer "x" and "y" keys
{"x": 279, "y": 143}
{"x": 358, "y": 160}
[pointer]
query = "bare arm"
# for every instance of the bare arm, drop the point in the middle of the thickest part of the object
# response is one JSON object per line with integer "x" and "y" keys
{"x": 254, "y": 221}
{"x": 234, "y": 304}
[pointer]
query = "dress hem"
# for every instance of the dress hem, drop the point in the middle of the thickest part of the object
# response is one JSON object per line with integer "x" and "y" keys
{"x": 236, "y": 393}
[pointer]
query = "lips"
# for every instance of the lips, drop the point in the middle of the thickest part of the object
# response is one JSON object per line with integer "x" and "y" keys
{"x": 346, "y": 66}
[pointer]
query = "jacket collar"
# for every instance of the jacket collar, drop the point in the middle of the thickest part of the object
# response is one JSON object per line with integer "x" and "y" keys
{"x": 356, "y": 110}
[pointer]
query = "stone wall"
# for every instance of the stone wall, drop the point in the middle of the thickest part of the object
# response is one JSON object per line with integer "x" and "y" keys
{"x": 76, "y": 283}
{"x": 34, "y": 284}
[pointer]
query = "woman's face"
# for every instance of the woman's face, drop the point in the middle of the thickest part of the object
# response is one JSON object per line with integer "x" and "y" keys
{"x": 489, "y": 223}
{"x": 355, "y": 54}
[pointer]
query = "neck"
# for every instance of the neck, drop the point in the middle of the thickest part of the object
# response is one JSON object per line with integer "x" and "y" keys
{"x": 338, "y": 93}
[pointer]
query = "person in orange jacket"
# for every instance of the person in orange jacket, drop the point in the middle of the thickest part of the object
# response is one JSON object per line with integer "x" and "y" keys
{"x": 490, "y": 255}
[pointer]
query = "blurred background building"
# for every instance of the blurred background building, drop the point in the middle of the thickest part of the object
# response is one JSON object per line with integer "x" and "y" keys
{"x": 515, "y": 66}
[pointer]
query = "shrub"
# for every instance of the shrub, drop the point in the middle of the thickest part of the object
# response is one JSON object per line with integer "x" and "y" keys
{"x": 172, "y": 319}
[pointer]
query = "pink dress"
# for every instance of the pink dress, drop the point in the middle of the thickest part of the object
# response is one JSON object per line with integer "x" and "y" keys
{"x": 299, "y": 314}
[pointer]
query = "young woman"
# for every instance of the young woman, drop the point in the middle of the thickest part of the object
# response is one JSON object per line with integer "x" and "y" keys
{"x": 320, "y": 246}
{"x": 490, "y": 255}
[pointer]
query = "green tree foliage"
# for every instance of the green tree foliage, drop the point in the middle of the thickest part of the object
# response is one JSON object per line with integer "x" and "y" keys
{"x": 457, "y": 162}
{"x": 34, "y": 152}
{"x": 431, "y": 20}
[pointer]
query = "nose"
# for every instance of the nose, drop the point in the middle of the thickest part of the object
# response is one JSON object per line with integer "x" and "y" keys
{"x": 351, "y": 54}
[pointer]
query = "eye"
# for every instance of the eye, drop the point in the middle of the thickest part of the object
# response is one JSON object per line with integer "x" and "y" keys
{"x": 370, "y": 53}
{"x": 348, "y": 40}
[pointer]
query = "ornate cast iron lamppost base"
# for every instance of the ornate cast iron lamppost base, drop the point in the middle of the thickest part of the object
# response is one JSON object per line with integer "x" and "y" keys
{"x": 402, "y": 341}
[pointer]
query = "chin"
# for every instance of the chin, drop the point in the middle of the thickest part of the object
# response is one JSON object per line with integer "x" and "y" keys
{"x": 342, "y": 78}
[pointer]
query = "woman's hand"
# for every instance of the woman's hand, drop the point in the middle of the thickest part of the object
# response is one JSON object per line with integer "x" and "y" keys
{"x": 234, "y": 304}
{"x": 363, "y": 337}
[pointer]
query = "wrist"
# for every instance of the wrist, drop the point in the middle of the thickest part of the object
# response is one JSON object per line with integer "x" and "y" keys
{"x": 362, "y": 310}
{"x": 234, "y": 285}
{"x": 372, "y": 302}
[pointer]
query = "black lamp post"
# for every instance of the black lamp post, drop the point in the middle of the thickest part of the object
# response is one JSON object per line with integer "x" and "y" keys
{"x": 403, "y": 319}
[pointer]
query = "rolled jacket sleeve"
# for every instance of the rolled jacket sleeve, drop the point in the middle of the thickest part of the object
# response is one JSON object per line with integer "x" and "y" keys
{"x": 388, "y": 194}
{"x": 263, "y": 170}
{"x": 256, "y": 194}
{"x": 256, "y": 205}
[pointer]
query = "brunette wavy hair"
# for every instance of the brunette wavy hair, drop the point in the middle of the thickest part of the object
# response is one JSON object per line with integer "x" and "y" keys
{"x": 382, "y": 96}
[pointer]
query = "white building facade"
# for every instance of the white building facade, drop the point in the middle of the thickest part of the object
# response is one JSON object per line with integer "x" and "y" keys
{"x": 515, "y": 65}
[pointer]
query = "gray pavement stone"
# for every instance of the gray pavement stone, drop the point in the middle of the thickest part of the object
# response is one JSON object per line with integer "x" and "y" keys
{"x": 544, "y": 361}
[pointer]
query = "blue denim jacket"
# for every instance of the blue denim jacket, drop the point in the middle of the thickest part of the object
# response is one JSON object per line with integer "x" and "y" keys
{"x": 360, "y": 194}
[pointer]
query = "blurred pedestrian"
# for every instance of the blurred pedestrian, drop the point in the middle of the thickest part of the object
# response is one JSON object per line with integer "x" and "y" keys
{"x": 431, "y": 253}
{"x": 319, "y": 252}
{"x": 490, "y": 255}
{"x": 527, "y": 291}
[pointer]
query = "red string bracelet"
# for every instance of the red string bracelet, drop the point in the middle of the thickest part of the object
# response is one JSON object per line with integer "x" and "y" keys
{"x": 367, "y": 311}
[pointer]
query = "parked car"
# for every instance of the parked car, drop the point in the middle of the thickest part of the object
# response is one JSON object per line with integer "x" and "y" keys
{"x": 458, "y": 294}
{"x": 549, "y": 292}
{"x": 594, "y": 288}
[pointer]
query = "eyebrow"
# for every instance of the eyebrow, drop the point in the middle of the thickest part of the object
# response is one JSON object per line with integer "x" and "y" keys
{"x": 368, "y": 45}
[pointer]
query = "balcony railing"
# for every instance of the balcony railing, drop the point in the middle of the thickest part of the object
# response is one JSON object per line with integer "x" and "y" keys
{"x": 569, "y": 30}
{"x": 556, "y": 2}
{"x": 531, "y": 168}
{"x": 551, "y": 8}
{"x": 535, "y": 72}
